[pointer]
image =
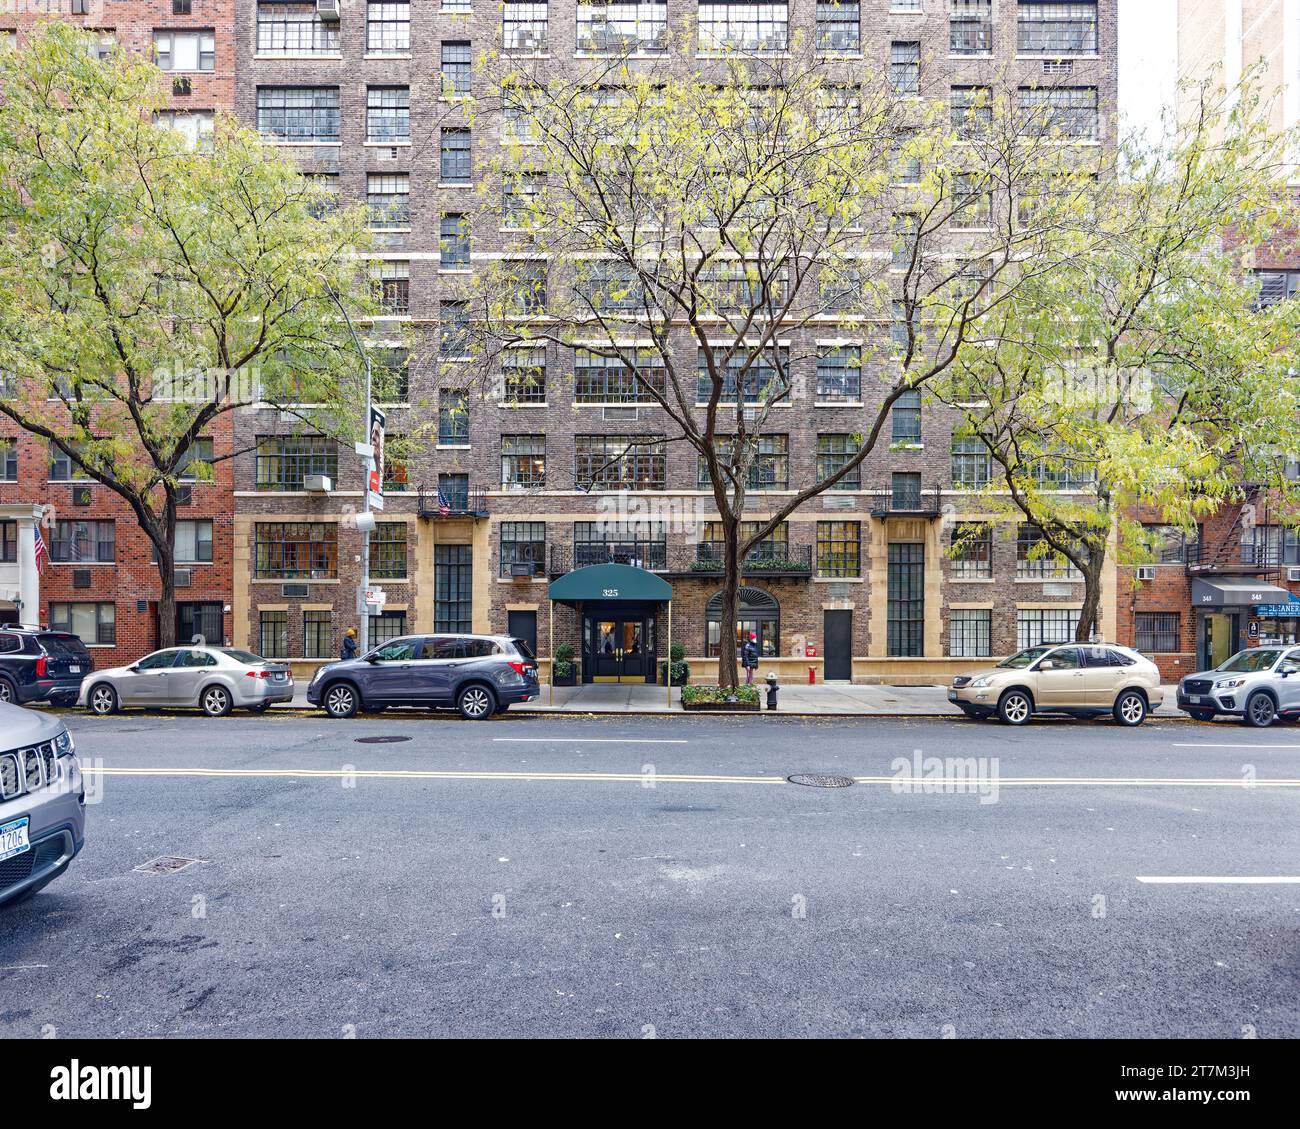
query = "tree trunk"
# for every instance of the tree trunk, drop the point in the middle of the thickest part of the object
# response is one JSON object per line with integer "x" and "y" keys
{"x": 1088, "y": 615}
{"x": 167, "y": 575}
{"x": 727, "y": 676}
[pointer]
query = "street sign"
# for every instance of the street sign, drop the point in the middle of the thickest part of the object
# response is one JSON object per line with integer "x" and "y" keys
{"x": 375, "y": 597}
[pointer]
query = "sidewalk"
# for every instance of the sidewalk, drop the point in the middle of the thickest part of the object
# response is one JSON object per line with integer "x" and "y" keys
{"x": 826, "y": 699}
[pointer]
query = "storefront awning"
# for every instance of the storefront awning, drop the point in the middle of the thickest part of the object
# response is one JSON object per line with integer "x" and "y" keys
{"x": 1236, "y": 592}
{"x": 609, "y": 582}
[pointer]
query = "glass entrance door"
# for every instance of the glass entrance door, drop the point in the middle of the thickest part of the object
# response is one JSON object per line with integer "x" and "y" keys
{"x": 620, "y": 650}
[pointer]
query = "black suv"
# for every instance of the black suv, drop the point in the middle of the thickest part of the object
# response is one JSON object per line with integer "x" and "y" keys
{"x": 41, "y": 666}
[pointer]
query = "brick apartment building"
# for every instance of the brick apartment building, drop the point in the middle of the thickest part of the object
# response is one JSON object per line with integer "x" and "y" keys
{"x": 857, "y": 584}
{"x": 100, "y": 580}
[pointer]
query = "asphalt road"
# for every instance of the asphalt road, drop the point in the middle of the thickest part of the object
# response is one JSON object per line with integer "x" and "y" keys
{"x": 627, "y": 877}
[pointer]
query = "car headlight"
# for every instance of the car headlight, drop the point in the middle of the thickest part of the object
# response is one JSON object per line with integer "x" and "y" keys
{"x": 1229, "y": 683}
{"x": 64, "y": 745}
{"x": 979, "y": 683}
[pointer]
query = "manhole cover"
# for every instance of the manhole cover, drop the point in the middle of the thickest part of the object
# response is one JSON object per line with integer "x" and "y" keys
{"x": 817, "y": 780}
{"x": 387, "y": 739}
{"x": 165, "y": 864}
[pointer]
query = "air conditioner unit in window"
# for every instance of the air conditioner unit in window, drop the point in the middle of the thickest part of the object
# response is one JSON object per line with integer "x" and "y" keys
{"x": 618, "y": 415}
{"x": 327, "y": 9}
{"x": 521, "y": 569}
{"x": 181, "y": 86}
{"x": 1146, "y": 572}
{"x": 294, "y": 591}
{"x": 317, "y": 483}
{"x": 82, "y": 496}
{"x": 184, "y": 577}
{"x": 1293, "y": 575}
{"x": 81, "y": 578}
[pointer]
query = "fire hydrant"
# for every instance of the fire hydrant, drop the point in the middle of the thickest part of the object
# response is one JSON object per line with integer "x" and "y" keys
{"x": 772, "y": 688}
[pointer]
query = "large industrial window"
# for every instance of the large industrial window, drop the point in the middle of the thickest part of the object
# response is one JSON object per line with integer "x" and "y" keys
{"x": 607, "y": 380}
{"x": 273, "y": 635}
{"x": 630, "y": 26}
{"x": 905, "y": 619}
{"x": 453, "y": 580}
{"x": 744, "y": 27}
{"x": 523, "y": 26}
{"x": 523, "y": 543}
{"x": 284, "y": 461}
{"x": 839, "y": 548}
{"x": 833, "y": 451}
{"x": 619, "y": 462}
{"x": 839, "y": 25}
{"x": 1045, "y": 625}
{"x": 970, "y": 463}
{"x": 523, "y": 461}
{"x": 454, "y": 156}
{"x": 972, "y": 551}
{"x": 388, "y": 27}
{"x": 298, "y": 113}
{"x": 388, "y": 114}
{"x": 970, "y": 633}
{"x": 317, "y": 636}
{"x": 294, "y": 29}
{"x": 388, "y": 551}
{"x": 769, "y": 467}
{"x": 295, "y": 550}
{"x": 642, "y": 544}
{"x": 1051, "y": 28}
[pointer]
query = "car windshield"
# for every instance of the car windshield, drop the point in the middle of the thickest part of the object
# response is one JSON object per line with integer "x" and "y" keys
{"x": 1252, "y": 661}
{"x": 64, "y": 646}
{"x": 1025, "y": 658}
{"x": 243, "y": 656}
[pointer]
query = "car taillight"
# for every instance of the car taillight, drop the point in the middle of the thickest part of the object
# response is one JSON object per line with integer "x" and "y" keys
{"x": 519, "y": 668}
{"x": 42, "y": 666}
{"x": 256, "y": 674}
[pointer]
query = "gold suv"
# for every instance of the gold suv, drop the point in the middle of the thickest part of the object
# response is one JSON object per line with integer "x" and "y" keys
{"x": 1082, "y": 679}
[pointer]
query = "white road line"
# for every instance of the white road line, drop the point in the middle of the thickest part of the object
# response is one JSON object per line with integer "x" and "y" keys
{"x": 1219, "y": 880}
{"x": 587, "y": 741}
{"x": 1244, "y": 745}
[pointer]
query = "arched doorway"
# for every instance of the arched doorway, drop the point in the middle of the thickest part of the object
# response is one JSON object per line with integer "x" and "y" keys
{"x": 756, "y": 611}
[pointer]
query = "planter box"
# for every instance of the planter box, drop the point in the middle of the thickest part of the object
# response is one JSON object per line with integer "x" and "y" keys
{"x": 570, "y": 679}
{"x": 721, "y": 707}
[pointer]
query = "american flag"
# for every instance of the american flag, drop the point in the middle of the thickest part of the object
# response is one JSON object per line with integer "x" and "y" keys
{"x": 40, "y": 552}
{"x": 444, "y": 506}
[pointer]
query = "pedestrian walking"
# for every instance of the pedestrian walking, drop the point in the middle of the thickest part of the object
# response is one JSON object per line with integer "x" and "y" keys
{"x": 349, "y": 650}
{"x": 749, "y": 657}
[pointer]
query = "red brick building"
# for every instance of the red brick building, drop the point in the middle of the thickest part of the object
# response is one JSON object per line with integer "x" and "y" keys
{"x": 99, "y": 578}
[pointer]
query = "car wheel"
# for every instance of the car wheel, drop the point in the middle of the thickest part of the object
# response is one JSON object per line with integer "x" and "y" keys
{"x": 1015, "y": 707}
{"x": 216, "y": 701}
{"x": 8, "y": 694}
{"x": 341, "y": 700}
{"x": 1201, "y": 715}
{"x": 1130, "y": 708}
{"x": 476, "y": 702}
{"x": 1260, "y": 711}
{"x": 102, "y": 700}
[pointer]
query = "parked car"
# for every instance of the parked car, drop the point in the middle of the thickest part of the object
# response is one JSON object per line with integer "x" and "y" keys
{"x": 1081, "y": 679}
{"x": 38, "y": 665}
{"x": 477, "y": 674}
{"x": 42, "y": 802}
{"x": 1257, "y": 685}
{"x": 213, "y": 679}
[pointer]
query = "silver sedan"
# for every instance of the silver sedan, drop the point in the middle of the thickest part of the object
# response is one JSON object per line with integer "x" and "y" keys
{"x": 213, "y": 679}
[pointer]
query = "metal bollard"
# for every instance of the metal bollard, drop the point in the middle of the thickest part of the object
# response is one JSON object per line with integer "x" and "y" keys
{"x": 772, "y": 688}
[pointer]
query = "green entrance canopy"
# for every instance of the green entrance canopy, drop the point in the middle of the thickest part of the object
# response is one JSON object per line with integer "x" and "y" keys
{"x": 609, "y": 582}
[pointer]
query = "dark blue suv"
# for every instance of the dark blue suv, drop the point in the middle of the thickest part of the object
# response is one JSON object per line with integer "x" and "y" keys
{"x": 477, "y": 674}
{"x": 41, "y": 666}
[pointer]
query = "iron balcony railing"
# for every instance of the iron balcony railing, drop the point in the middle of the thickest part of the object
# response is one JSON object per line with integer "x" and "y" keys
{"x": 909, "y": 500}
{"x": 702, "y": 559}
{"x": 773, "y": 558}
{"x": 433, "y": 502}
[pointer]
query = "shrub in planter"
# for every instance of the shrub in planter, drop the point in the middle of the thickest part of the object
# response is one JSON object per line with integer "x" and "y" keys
{"x": 681, "y": 668}
{"x": 716, "y": 698}
{"x": 564, "y": 671}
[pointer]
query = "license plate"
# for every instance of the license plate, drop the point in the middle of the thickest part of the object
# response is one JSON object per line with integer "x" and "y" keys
{"x": 13, "y": 838}
{"x": 74, "y": 670}
{"x": 279, "y": 678}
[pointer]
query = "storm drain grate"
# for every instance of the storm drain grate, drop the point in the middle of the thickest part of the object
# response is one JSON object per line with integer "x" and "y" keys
{"x": 386, "y": 739}
{"x": 818, "y": 780}
{"x": 165, "y": 864}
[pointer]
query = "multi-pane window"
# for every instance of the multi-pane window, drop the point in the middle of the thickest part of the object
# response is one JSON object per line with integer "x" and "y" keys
{"x": 195, "y": 126}
{"x": 905, "y": 418}
{"x": 317, "y": 636}
{"x": 905, "y": 599}
{"x": 195, "y": 463}
{"x": 905, "y": 490}
{"x": 907, "y": 162}
{"x": 1070, "y": 110}
{"x": 193, "y": 542}
{"x": 744, "y": 26}
{"x": 397, "y": 475}
{"x": 840, "y": 292}
{"x": 83, "y": 542}
{"x": 905, "y": 68}
{"x": 523, "y": 461}
{"x": 283, "y": 461}
{"x": 94, "y": 623}
{"x": 769, "y": 467}
{"x": 457, "y": 68}
{"x": 607, "y": 380}
{"x": 388, "y": 551}
{"x": 295, "y": 550}
{"x": 453, "y": 329}
{"x": 1047, "y": 27}
{"x": 388, "y": 198}
{"x": 1063, "y": 472}
{"x": 388, "y": 114}
{"x": 391, "y": 374}
{"x": 627, "y": 26}
{"x": 971, "y": 108}
{"x": 1171, "y": 544}
{"x": 454, "y": 155}
{"x": 839, "y": 548}
{"x": 970, "y": 633}
{"x": 298, "y": 113}
{"x": 1270, "y": 545}
{"x": 185, "y": 50}
{"x": 388, "y": 27}
{"x": 758, "y": 379}
{"x": 386, "y": 626}
{"x": 738, "y": 286}
{"x": 290, "y": 28}
{"x": 392, "y": 281}
{"x": 971, "y": 202}
{"x": 642, "y": 544}
{"x": 1157, "y": 632}
{"x": 8, "y": 542}
{"x": 527, "y": 278}
{"x": 1036, "y": 560}
{"x": 66, "y": 468}
{"x": 906, "y": 230}
{"x": 970, "y": 27}
{"x": 839, "y": 25}
{"x": 273, "y": 635}
{"x": 523, "y": 374}
{"x": 606, "y": 286}
{"x": 453, "y": 417}
{"x": 839, "y": 373}
{"x": 523, "y": 547}
{"x": 970, "y": 463}
{"x": 833, "y": 452}
{"x": 523, "y": 26}
{"x": 8, "y": 460}
{"x": 774, "y": 547}
{"x": 453, "y": 241}
{"x": 619, "y": 462}
{"x": 900, "y": 329}
{"x": 1035, "y": 626}
{"x": 521, "y": 193}
{"x": 972, "y": 551}
{"x": 453, "y": 588}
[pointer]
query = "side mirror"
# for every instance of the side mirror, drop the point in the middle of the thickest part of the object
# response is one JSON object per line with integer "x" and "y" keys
{"x": 373, "y": 657}
{"x": 134, "y": 669}
{"x": 1047, "y": 664}
{"x": 1287, "y": 669}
